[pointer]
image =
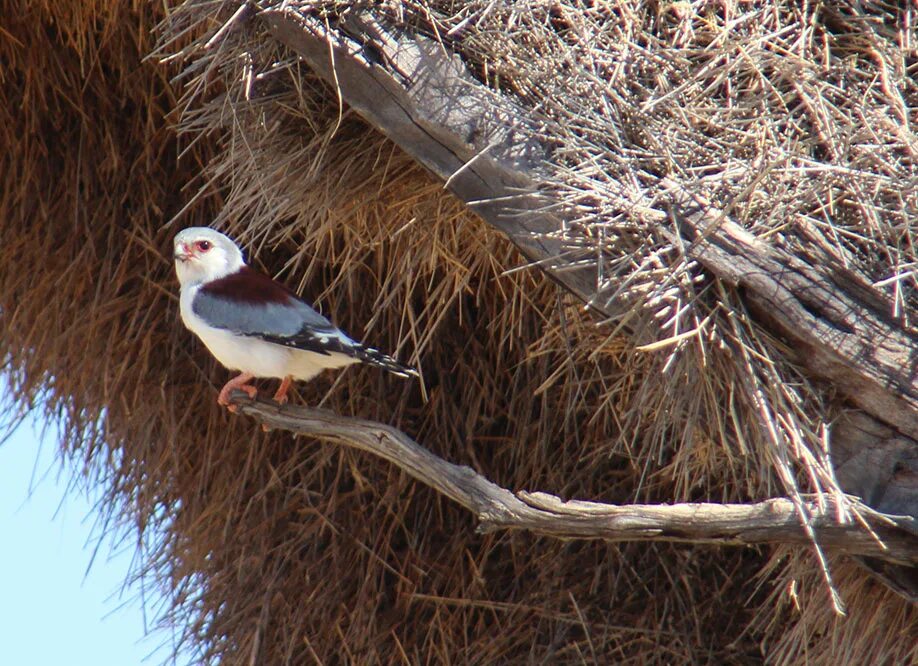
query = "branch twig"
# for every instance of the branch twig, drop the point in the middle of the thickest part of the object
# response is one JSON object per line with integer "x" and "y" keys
{"x": 773, "y": 521}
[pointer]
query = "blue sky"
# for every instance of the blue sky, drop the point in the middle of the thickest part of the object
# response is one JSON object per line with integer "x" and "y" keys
{"x": 53, "y": 612}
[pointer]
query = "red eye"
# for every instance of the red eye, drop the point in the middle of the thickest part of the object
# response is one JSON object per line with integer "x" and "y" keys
{"x": 202, "y": 246}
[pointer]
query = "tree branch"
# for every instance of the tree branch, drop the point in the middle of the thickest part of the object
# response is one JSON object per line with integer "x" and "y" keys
{"x": 773, "y": 521}
{"x": 841, "y": 327}
{"x": 489, "y": 153}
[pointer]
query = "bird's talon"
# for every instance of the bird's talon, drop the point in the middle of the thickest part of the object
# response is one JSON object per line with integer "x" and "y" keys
{"x": 281, "y": 396}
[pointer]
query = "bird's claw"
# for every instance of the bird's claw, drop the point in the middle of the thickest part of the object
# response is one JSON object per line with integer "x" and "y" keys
{"x": 223, "y": 399}
{"x": 280, "y": 397}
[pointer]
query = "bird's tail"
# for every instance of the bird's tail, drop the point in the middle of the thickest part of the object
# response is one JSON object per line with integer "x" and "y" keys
{"x": 375, "y": 357}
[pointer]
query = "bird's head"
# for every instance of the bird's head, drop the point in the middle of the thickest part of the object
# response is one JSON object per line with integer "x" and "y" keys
{"x": 202, "y": 255}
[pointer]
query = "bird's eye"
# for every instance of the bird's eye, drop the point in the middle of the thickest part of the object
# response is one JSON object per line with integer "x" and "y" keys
{"x": 203, "y": 246}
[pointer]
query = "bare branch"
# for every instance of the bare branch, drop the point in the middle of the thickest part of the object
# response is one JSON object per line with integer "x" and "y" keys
{"x": 488, "y": 152}
{"x": 839, "y": 324}
{"x": 773, "y": 521}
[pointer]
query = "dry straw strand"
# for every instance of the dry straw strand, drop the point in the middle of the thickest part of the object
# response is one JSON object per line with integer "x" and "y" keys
{"x": 797, "y": 119}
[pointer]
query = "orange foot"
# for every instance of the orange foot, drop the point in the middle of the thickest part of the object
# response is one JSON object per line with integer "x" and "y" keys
{"x": 242, "y": 383}
{"x": 281, "y": 395}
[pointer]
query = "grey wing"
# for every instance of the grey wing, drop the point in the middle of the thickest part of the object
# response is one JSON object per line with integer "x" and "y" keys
{"x": 292, "y": 323}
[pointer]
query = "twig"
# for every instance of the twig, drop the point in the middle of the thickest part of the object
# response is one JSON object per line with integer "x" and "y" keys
{"x": 773, "y": 521}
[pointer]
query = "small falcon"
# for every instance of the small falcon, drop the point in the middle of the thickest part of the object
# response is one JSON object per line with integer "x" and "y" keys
{"x": 254, "y": 324}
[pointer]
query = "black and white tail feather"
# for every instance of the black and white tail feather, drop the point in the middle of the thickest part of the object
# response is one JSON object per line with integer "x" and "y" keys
{"x": 375, "y": 357}
{"x": 322, "y": 337}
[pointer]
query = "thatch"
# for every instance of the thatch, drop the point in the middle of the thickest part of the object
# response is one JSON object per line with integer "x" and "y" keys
{"x": 295, "y": 551}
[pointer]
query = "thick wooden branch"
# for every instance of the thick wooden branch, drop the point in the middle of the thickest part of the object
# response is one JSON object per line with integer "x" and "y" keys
{"x": 490, "y": 154}
{"x": 774, "y": 521}
{"x": 425, "y": 101}
{"x": 841, "y": 327}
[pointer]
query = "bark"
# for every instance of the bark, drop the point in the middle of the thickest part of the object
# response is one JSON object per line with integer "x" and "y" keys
{"x": 489, "y": 153}
{"x": 774, "y": 521}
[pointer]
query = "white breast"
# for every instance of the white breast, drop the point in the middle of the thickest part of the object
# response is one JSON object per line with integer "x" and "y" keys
{"x": 253, "y": 356}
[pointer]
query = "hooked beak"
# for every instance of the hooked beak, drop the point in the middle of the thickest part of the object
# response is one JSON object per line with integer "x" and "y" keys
{"x": 182, "y": 253}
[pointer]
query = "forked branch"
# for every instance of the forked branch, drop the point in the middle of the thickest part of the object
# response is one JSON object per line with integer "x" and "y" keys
{"x": 773, "y": 521}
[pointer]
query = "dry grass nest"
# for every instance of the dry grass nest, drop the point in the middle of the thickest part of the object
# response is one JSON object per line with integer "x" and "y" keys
{"x": 798, "y": 118}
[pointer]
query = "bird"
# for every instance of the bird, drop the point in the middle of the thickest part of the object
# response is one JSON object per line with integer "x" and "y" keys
{"x": 255, "y": 325}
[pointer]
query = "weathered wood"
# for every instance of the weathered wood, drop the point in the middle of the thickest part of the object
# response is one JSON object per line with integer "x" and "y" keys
{"x": 426, "y": 102}
{"x": 877, "y": 464}
{"x": 774, "y": 521}
{"x": 488, "y": 152}
{"x": 491, "y": 154}
{"x": 841, "y": 328}
{"x": 880, "y": 466}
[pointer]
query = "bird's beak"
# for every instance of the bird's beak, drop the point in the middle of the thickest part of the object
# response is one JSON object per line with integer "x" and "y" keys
{"x": 182, "y": 253}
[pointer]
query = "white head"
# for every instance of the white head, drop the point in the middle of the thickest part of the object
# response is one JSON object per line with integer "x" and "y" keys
{"x": 202, "y": 255}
